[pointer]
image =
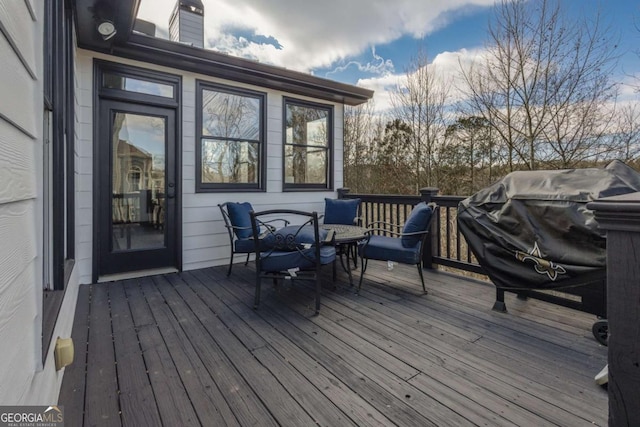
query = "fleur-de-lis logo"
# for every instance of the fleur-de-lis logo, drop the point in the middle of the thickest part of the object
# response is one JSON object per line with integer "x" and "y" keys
{"x": 541, "y": 265}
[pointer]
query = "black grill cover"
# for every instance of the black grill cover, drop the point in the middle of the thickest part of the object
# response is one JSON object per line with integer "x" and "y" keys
{"x": 532, "y": 230}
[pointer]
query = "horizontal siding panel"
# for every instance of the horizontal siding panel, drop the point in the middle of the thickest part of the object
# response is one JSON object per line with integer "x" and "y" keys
{"x": 18, "y": 314}
{"x": 17, "y": 225}
{"x": 18, "y": 87}
{"x": 16, "y": 23}
{"x": 206, "y": 241}
{"x": 205, "y": 264}
{"x": 209, "y": 254}
{"x": 17, "y": 165}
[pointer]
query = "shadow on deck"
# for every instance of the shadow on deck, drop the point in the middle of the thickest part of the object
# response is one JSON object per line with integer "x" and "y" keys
{"x": 188, "y": 349}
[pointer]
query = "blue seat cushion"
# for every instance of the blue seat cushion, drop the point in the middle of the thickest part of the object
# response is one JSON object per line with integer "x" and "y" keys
{"x": 385, "y": 248}
{"x": 418, "y": 221}
{"x": 340, "y": 211}
{"x": 290, "y": 238}
{"x": 303, "y": 259}
{"x": 244, "y": 245}
{"x": 239, "y": 216}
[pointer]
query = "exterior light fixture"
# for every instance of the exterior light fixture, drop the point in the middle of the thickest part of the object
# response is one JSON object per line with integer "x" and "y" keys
{"x": 106, "y": 29}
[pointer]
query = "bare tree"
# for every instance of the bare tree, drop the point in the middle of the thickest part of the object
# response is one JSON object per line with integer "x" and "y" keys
{"x": 627, "y": 135}
{"x": 544, "y": 84}
{"x": 467, "y": 155}
{"x": 360, "y": 124}
{"x": 420, "y": 103}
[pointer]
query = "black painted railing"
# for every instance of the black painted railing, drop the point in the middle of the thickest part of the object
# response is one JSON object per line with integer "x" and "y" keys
{"x": 446, "y": 245}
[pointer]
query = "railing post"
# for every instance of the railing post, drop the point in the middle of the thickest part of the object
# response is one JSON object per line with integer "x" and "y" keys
{"x": 620, "y": 217}
{"x": 343, "y": 192}
{"x": 426, "y": 195}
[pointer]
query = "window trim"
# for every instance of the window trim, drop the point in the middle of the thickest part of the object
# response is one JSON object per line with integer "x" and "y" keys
{"x": 103, "y": 67}
{"x": 291, "y": 187}
{"x": 204, "y": 187}
{"x": 59, "y": 212}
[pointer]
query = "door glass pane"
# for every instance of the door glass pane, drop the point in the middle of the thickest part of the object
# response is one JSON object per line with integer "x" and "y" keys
{"x": 138, "y": 182}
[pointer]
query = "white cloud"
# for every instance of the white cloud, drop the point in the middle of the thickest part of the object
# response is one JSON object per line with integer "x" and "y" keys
{"x": 312, "y": 34}
{"x": 446, "y": 65}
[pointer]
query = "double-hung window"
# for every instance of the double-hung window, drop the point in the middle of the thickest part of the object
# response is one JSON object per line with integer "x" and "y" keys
{"x": 308, "y": 142}
{"x": 230, "y": 148}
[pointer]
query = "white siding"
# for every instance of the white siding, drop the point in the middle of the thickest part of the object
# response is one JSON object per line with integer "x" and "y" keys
{"x": 24, "y": 379}
{"x": 204, "y": 238}
{"x": 20, "y": 207}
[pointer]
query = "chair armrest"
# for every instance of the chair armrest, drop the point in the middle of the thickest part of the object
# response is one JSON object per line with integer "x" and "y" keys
{"x": 370, "y": 231}
{"x": 235, "y": 227}
{"x": 377, "y": 223}
{"x": 330, "y": 239}
{"x": 272, "y": 227}
{"x": 395, "y": 233}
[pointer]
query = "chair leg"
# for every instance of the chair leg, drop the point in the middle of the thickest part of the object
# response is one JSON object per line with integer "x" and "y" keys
{"x": 363, "y": 266}
{"x": 230, "y": 264}
{"x": 421, "y": 278}
{"x": 247, "y": 261}
{"x": 354, "y": 255}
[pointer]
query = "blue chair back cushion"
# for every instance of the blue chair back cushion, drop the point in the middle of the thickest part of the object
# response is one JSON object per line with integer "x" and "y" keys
{"x": 304, "y": 259}
{"x": 340, "y": 211}
{"x": 417, "y": 221}
{"x": 239, "y": 216}
{"x": 385, "y": 248}
{"x": 290, "y": 238}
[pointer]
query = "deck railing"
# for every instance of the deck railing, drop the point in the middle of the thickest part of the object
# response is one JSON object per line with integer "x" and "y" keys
{"x": 445, "y": 246}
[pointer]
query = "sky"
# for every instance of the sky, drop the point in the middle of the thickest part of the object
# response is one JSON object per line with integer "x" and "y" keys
{"x": 371, "y": 43}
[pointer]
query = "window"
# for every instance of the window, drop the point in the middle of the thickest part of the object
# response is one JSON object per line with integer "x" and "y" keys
{"x": 132, "y": 84}
{"x": 308, "y": 139}
{"x": 230, "y": 136}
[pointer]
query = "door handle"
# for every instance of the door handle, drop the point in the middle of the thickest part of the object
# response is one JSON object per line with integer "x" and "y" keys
{"x": 171, "y": 191}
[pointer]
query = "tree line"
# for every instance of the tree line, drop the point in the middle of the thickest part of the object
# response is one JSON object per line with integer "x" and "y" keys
{"x": 541, "y": 96}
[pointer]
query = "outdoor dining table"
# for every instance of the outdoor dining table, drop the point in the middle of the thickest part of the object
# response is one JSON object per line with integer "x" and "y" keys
{"x": 346, "y": 241}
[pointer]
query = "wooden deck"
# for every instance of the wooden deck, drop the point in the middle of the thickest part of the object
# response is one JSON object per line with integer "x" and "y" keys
{"x": 188, "y": 349}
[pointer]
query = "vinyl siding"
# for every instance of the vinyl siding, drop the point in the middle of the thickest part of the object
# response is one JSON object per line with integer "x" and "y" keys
{"x": 204, "y": 238}
{"x": 20, "y": 204}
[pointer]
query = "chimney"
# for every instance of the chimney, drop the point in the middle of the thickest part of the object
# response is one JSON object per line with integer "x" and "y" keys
{"x": 186, "y": 24}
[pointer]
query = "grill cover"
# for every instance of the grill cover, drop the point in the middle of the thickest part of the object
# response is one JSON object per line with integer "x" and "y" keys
{"x": 532, "y": 230}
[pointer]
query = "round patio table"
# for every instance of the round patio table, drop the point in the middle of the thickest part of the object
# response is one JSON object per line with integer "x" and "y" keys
{"x": 347, "y": 238}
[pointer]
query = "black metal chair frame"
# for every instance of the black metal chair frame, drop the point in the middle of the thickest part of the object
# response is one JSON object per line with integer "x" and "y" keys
{"x": 231, "y": 229}
{"x": 375, "y": 227}
{"x": 263, "y": 252}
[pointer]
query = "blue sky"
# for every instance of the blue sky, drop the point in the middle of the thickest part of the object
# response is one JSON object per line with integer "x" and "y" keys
{"x": 370, "y": 42}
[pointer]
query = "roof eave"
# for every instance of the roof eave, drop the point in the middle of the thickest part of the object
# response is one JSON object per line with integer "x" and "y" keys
{"x": 204, "y": 61}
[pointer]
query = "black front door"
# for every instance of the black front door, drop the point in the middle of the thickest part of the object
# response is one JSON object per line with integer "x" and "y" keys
{"x": 137, "y": 187}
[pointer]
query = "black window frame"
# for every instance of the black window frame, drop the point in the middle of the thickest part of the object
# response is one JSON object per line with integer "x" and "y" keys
{"x": 330, "y": 145}
{"x": 209, "y": 187}
{"x": 59, "y": 104}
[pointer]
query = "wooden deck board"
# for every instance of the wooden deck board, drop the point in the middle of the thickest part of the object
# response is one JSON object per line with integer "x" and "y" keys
{"x": 101, "y": 404}
{"x": 389, "y": 356}
{"x": 137, "y": 402}
{"x": 76, "y": 373}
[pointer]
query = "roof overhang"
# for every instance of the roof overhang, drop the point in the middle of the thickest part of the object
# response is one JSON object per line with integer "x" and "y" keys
{"x": 180, "y": 56}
